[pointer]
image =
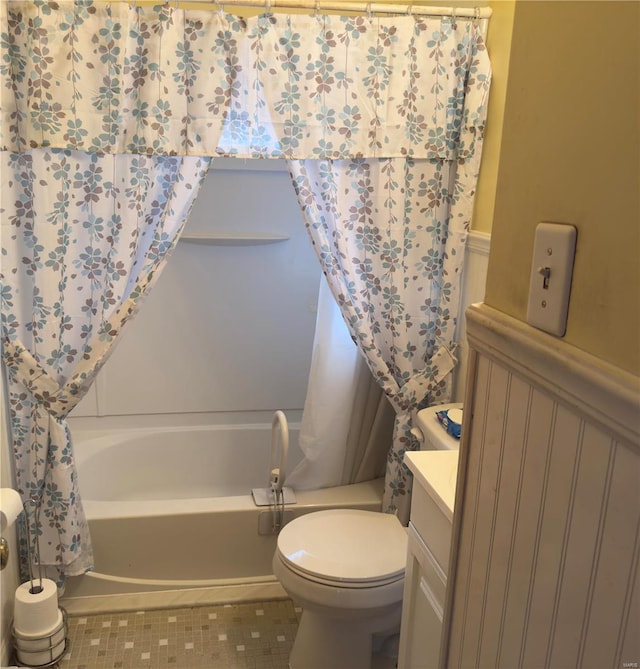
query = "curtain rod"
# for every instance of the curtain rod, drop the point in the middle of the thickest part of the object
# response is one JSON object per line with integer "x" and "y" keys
{"x": 357, "y": 7}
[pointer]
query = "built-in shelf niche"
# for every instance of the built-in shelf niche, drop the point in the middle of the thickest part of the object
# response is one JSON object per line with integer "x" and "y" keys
{"x": 233, "y": 238}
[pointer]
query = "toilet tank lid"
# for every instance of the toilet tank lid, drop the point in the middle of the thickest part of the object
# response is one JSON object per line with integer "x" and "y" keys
{"x": 432, "y": 430}
{"x": 346, "y": 545}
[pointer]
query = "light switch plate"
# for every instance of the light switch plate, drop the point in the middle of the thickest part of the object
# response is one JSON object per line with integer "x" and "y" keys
{"x": 551, "y": 271}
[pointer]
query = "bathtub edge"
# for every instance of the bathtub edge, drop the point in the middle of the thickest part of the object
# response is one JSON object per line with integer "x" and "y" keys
{"x": 267, "y": 589}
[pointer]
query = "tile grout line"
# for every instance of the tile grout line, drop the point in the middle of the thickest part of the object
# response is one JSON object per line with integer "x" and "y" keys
{"x": 254, "y": 635}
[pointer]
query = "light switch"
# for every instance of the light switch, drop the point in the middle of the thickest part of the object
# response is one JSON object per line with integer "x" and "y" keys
{"x": 551, "y": 271}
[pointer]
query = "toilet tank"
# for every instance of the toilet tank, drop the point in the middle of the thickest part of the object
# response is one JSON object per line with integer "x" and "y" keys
{"x": 429, "y": 431}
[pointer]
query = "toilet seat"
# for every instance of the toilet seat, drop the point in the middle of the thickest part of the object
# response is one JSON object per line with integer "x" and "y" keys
{"x": 339, "y": 583}
{"x": 345, "y": 548}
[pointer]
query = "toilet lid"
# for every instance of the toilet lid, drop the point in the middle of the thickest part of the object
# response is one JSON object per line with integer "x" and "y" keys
{"x": 345, "y": 545}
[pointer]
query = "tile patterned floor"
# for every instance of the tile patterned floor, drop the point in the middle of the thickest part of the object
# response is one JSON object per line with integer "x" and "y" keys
{"x": 235, "y": 636}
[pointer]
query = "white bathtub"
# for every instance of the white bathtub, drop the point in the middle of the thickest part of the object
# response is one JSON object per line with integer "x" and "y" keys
{"x": 185, "y": 462}
{"x": 172, "y": 519}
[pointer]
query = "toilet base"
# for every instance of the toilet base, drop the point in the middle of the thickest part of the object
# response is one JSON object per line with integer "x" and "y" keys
{"x": 323, "y": 642}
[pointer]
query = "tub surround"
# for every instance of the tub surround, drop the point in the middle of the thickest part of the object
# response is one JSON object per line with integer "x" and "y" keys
{"x": 226, "y": 364}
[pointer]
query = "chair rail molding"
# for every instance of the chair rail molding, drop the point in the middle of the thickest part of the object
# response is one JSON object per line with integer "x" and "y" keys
{"x": 603, "y": 393}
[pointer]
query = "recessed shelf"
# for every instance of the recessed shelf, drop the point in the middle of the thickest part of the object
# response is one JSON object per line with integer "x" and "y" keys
{"x": 234, "y": 238}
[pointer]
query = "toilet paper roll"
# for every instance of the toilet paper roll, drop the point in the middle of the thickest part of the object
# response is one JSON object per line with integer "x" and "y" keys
{"x": 41, "y": 650}
{"x": 10, "y": 507}
{"x": 36, "y": 613}
{"x": 35, "y": 642}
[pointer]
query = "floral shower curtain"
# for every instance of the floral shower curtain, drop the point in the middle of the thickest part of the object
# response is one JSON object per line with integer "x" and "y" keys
{"x": 84, "y": 238}
{"x": 390, "y": 237}
{"x": 116, "y": 78}
{"x": 119, "y": 78}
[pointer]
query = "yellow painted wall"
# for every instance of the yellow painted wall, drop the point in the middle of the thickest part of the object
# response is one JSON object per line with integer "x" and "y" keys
{"x": 569, "y": 152}
{"x": 499, "y": 47}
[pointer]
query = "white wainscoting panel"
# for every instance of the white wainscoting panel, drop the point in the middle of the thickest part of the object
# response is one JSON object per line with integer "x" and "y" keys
{"x": 545, "y": 567}
{"x": 474, "y": 279}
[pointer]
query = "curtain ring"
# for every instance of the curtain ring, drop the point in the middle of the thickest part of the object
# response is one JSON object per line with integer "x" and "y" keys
{"x": 476, "y": 16}
{"x": 267, "y": 6}
{"x": 453, "y": 16}
{"x": 316, "y": 10}
{"x": 410, "y": 10}
{"x": 369, "y": 12}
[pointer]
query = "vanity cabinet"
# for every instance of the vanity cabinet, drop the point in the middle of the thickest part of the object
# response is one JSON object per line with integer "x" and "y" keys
{"x": 428, "y": 557}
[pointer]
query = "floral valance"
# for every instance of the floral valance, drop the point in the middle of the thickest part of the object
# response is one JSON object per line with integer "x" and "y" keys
{"x": 121, "y": 78}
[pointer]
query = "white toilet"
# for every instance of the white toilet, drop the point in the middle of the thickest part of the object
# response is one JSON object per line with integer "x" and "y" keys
{"x": 345, "y": 568}
{"x": 430, "y": 433}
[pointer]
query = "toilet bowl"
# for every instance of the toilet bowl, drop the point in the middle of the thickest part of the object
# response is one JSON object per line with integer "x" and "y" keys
{"x": 345, "y": 568}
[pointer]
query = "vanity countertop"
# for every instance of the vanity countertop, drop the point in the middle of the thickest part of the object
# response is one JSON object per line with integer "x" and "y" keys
{"x": 436, "y": 472}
